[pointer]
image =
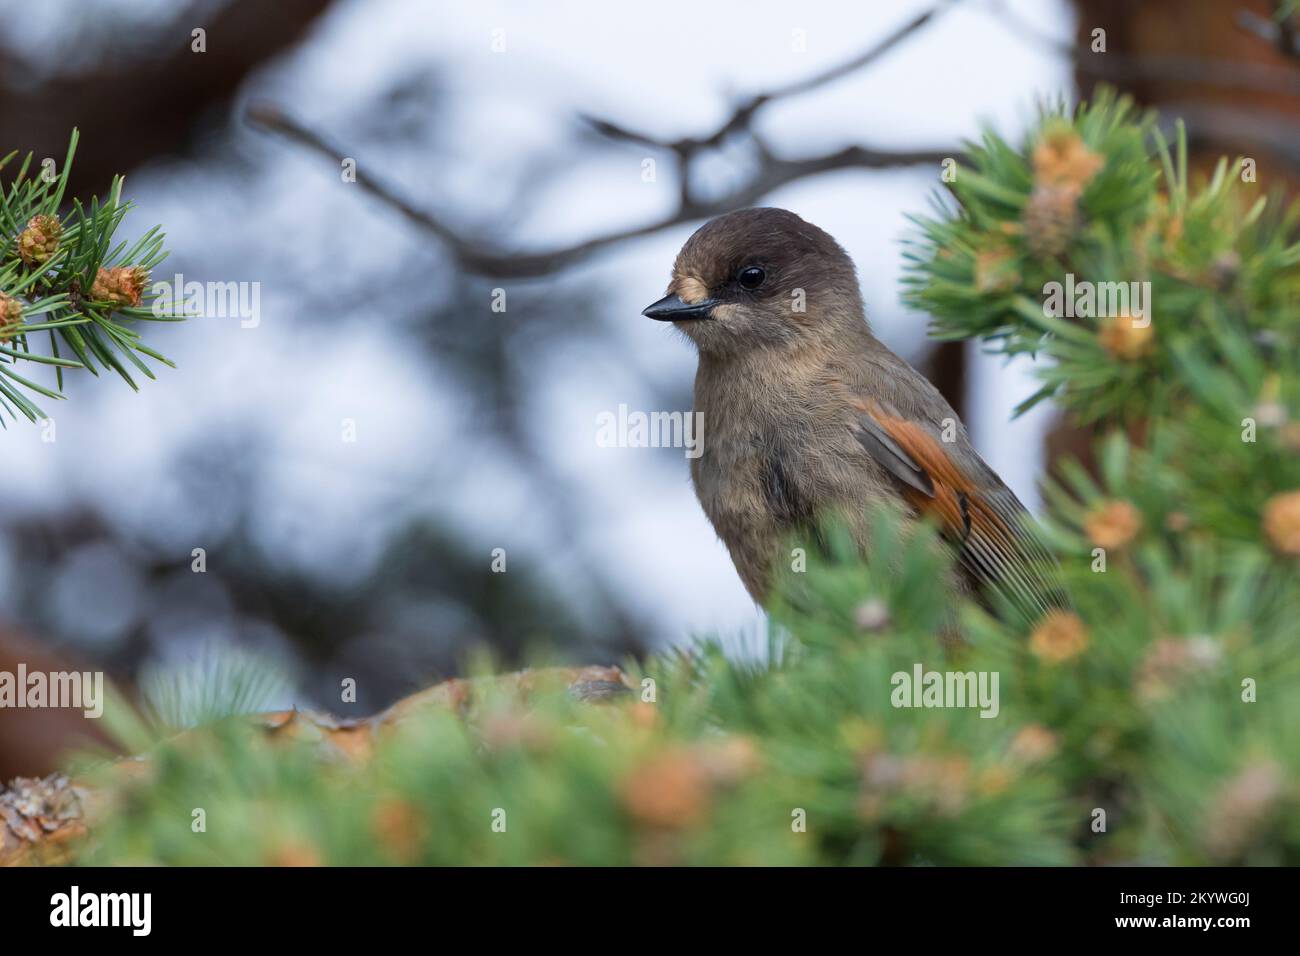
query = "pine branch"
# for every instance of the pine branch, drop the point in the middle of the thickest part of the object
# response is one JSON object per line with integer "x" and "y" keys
{"x": 70, "y": 294}
{"x": 42, "y": 820}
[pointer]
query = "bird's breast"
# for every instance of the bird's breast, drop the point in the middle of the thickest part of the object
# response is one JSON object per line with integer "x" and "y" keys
{"x": 757, "y": 471}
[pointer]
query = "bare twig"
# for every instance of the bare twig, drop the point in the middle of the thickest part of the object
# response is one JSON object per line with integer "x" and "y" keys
{"x": 478, "y": 256}
{"x": 743, "y": 114}
{"x": 153, "y": 99}
{"x": 484, "y": 257}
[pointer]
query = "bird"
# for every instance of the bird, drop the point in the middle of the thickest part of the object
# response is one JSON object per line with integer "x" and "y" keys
{"x": 808, "y": 416}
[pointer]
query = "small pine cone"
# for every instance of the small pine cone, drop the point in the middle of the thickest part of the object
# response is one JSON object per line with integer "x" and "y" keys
{"x": 1062, "y": 159}
{"x": 1123, "y": 339}
{"x": 1059, "y": 636}
{"x": 40, "y": 240}
{"x": 1051, "y": 219}
{"x": 1282, "y": 523}
{"x": 1113, "y": 525}
{"x": 120, "y": 285}
{"x": 11, "y": 316}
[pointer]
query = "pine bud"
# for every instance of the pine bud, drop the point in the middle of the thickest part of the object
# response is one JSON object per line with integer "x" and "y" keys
{"x": 1060, "y": 635}
{"x": 670, "y": 790}
{"x": 675, "y": 788}
{"x": 1113, "y": 524}
{"x": 1062, "y": 159}
{"x": 120, "y": 285}
{"x": 1282, "y": 522}
{"x": 1123, "y": 339}
{"x": 11, "y": 316}
{"x": 40, "y": 240}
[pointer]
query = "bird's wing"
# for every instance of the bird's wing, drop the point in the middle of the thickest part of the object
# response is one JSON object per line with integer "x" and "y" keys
{"x": 976, "y": 512}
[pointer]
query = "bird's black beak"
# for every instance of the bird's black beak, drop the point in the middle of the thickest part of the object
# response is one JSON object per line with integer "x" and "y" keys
{"x": 671, "y": 308}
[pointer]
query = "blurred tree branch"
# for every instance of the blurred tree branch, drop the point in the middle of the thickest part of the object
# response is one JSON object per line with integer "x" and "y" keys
{"x": 145, "y": 106}
{"x": 743, "y": 115}
{"x": 485, "y": 258}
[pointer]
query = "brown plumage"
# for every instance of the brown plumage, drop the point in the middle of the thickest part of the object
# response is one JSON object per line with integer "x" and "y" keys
{"x": 807, "y": 415}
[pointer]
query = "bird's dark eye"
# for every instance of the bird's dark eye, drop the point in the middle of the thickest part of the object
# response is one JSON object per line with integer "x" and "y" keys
{"x": 751, "y": 277}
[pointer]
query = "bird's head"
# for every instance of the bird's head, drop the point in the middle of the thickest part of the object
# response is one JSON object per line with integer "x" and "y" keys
{"x": 760, "y": 278}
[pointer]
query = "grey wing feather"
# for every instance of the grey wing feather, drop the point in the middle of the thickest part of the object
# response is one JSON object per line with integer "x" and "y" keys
{"x": 885, "y": 451}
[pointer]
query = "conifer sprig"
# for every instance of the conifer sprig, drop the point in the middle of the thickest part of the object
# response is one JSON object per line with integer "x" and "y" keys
{"x": 1100, "y": 198}
{"x": 70, "y": 293}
